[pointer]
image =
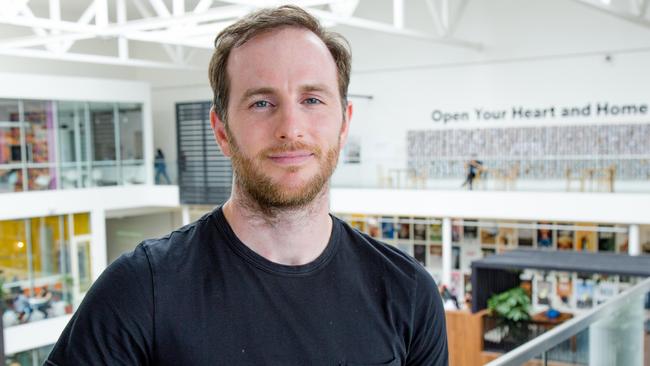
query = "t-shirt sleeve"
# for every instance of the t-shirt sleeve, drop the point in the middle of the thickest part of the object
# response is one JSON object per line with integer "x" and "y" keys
{"x": 114, "y": 323}
{"x": 429, "y": 341}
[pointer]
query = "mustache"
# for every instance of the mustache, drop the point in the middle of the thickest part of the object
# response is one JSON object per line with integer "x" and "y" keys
{"x": 292, "y": 146}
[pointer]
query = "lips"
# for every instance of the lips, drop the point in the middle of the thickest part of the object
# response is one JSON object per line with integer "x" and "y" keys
{"x": 291, "y": 157}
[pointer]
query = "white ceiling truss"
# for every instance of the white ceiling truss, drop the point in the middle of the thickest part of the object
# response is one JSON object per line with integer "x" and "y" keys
{"x": 633, "y": 11}
{"x": 182, "y": 26}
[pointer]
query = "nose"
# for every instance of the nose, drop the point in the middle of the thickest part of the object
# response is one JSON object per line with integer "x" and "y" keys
{"x": 290, "y": 125}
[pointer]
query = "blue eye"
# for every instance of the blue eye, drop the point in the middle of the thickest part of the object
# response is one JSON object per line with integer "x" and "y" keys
{"x": 261, "y": 104}
{"x": 312, "y": 101}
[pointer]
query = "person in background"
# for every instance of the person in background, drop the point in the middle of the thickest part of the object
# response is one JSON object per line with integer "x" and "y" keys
{"x": 161, "y": 167}
{"x": 21, "y": 305}
{"x": 474, "y": 168}
{"x": 45, "y": 301}
{"x": 449, "y": 300}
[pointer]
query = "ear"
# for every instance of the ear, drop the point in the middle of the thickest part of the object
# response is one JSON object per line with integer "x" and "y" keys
{"x": 219, "y": 130}
{"x": 345, "y": 128}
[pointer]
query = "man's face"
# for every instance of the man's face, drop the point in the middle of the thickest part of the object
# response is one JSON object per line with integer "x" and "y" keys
{"x": 285, "y": 127}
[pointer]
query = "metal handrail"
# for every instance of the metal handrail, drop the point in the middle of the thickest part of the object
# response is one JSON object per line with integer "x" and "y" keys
{"x": 555, "y": 336}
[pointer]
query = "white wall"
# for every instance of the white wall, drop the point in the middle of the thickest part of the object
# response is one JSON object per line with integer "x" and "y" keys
{"x": 54, "y": 87}
{"x": 529, "y": 206}
{"x": 404, "y": 100}
{"x": 28, "y": 336}
{"x": 123, "y": 234}
{"x": 105, "y": 199}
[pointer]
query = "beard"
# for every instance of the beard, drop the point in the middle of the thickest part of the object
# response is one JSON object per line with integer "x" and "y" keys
{"x": 271, "y": 196}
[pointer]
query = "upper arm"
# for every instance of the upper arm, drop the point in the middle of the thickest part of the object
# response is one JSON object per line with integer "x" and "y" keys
{"x": 429, "y": 342}
{"x": 114, "y": 323}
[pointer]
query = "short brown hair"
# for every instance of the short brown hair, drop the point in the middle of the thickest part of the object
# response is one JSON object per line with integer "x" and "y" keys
{"x": 264, "y": 20}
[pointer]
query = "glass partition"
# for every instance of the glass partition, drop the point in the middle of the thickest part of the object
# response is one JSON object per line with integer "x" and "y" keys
{"x": 104, "y": 153}
{"x": 40, "y": 152}
{"x": 131, "y": 139}
{"x": 10, "y": 147}
{"x": 35, "y": 266}
{"x": 69, "y": 144}
{"x": 613, "y": 333}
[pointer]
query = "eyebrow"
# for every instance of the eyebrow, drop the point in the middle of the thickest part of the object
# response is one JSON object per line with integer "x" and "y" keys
{"x": 322, "y": 88}
{"x": 257, "y": 91}
{"x": 316, "y": 88}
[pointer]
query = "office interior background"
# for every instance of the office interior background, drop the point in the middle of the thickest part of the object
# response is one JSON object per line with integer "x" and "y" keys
{"x": 546, "y": 101}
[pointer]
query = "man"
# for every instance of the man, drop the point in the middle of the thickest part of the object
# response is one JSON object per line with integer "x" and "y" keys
{"x": 474, "y": 169}
{"x": 269, "y": 278}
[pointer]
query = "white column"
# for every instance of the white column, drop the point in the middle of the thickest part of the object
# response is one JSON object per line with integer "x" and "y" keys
{"x": 122, "y": 42}
{"x": 446, "y": 251}
{"x": 149, "y": 148}
{"x": 634, "y": 241}
{"x": 98, "y": 242}
{"x": 185, "y": 215}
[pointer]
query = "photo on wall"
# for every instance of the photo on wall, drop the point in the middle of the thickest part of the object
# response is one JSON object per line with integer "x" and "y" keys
{"x": 420, "y": 253}
{"x": 564, "y": 289}
{"x": 488, "y": 234}
{"x": 387, "y": 227}
{"x": 543, "y": 290}
{"x": 470, "y": 232}
{"x": 584, "y": 293}
{"x": 545, "y": 235}
{"x": 435, "y": 256}
{"x": 404, "y": 228}
{"x": 586, "y": 240}
{"x": 565, "y": 240}
{"x": 373, "y": 227}
{"x": 506, "y": 238}
{"x": 456, "y": 232}
{"x": 358, "y": 222}
{"x": 435, "y": 233}
{"x": 606, "y": 240}
{"x": 455, "y": 257}
{"x": 420, "y": 230}
{"x": 526, "y": 237}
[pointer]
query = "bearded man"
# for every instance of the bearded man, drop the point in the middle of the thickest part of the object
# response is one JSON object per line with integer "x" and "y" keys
{"x": 270, "y": 277}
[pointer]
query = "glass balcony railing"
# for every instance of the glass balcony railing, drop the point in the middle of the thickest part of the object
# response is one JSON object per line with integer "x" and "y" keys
{"x": 629, "y": 173}
{"x": 616, "y": 332}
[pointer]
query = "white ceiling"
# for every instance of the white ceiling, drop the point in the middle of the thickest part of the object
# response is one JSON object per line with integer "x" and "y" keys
{"x": 110, "y": 31}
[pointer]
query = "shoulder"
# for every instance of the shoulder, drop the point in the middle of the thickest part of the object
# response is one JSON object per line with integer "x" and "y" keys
{"x": 180, "y": 244}
{"x": 392, "y": 260}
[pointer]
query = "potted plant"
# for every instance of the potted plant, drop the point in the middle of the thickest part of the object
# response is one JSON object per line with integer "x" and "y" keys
{"x": 511, "y": 310}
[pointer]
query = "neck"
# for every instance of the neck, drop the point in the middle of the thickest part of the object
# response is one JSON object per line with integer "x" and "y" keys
{"x": 290, "y": 236}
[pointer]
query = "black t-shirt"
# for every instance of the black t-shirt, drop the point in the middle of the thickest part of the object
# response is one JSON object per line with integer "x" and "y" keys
{"x": 199, "y": 296}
